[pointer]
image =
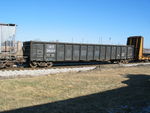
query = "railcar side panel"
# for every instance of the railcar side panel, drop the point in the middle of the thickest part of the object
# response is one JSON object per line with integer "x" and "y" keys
{"x": 130, "y": 53}
{"x": 90, "y": 53}
{"x": 68, "y": 52}
{"x": 76, "y": 52}
{"x": 113, "y": 52}
{"x": 123, "y": 52}
{"x": 83, "y": 53}
{"x": 37, "y": 52}
{"x": 118, "y": 53}
{"x": 97, "y": 53}
{"x": 50, "y": 52}
{"x": 60, "y": 52}
{"x": 33, "y": 52}
{"x": 102, "y": 52}
{"x": 108, "y": 52}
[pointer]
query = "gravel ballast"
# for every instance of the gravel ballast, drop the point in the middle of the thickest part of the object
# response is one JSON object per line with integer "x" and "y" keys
{"x": 40, "y": 72}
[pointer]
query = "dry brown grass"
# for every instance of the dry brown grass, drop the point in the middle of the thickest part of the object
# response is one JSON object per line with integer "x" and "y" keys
{"x": 30, "y": 91}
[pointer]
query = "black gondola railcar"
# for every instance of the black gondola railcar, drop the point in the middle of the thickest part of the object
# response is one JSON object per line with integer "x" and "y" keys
{"x": 46, "y": 53}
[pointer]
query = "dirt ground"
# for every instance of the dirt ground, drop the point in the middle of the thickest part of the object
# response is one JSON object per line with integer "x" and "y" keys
{"x": 112, "y": 90}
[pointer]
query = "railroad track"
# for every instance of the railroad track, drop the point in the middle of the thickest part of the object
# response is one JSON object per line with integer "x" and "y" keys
{"x": 59, "y": 66}
{"x": 21, "y": 72}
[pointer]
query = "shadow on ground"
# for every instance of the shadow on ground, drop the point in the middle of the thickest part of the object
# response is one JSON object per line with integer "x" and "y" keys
{"x": 131, "y": 99}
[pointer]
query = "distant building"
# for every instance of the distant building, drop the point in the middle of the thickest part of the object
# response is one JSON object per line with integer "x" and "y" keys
{"x": 7, "y": 37}
{"x": 146, "y": 51}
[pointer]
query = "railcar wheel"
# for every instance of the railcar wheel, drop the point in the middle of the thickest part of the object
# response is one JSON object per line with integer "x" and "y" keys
{"x": 146, "y": 60}
{"x": 2, "y": 65}
{"x": 49, "y": 64}
{"x": 112, "y": 62}
{"x": 124, "y": 62}
{"x": 33, "y": 64}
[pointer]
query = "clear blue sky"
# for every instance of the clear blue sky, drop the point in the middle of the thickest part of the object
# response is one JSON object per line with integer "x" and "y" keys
{"x": 88, "y": 21}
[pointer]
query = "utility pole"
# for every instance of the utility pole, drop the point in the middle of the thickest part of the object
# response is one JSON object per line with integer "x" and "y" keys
{"x": 99, "y": 40}
{"x": 82, "y": 40}
{"x": 110, "y": 40}
{"x": 72, "y": 40}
